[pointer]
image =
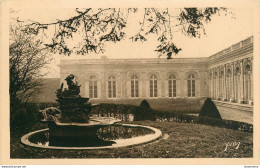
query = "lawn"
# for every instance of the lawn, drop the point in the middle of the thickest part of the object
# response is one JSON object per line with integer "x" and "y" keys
{"x": 180, "y": 140}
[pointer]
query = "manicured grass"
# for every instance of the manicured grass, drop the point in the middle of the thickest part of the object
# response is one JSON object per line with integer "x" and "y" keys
{"x": 185, "y": 140}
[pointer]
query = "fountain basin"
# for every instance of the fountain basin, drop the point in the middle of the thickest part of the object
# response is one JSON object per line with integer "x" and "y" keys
{"x": 114, "y": 141}
{"x": 78, "y": 130}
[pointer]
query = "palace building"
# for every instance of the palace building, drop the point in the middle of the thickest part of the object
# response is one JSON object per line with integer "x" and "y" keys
{"x": 225, "y": 76}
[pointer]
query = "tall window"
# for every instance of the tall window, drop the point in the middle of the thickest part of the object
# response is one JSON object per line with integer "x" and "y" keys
{"x": 111, "y": 87}
{"x": 191, "y": 85}
{"x": 153, "y": 86}
{"x": 172, "y": 86}
{"x": 134, "y": 86}
{"x": 93, "y": 87}
{"x": 248, "y": 82}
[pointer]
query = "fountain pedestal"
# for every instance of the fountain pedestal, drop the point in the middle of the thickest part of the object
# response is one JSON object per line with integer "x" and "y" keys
{"x": 71, "y": 121}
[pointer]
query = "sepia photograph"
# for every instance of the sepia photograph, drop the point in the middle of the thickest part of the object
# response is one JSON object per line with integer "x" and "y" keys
{"x": 130, "y": 81}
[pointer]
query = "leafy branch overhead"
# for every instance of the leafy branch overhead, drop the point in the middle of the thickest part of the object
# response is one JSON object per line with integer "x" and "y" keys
{"x": 94, "y": 27}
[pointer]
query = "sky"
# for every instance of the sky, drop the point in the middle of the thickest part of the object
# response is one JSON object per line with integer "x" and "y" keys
{"x": 222, "y": 32}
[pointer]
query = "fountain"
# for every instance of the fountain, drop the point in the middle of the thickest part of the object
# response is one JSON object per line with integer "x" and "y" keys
{"x": 70, "y": 127}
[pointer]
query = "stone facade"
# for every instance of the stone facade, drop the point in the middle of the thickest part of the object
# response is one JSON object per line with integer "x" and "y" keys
{"x": 226, "y": 76}
{"x": 230, "y": 73}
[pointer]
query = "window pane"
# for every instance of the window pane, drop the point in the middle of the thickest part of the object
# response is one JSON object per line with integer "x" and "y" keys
{"x": 95, "y": 91}
{"x": 114, "y": 85}
{"x": 155, "y": 92}
{"x": 132, "y": 94}
{"x": 193, "y": 85}
{"x": 151, "y": 92}
{"x": 109, "y": 85}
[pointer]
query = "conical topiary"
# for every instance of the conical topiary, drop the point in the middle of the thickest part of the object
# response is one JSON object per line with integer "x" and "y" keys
{"x": 209, "y": 109}
{"x": 144, "y": 112}
{"x": 145, "y": 104}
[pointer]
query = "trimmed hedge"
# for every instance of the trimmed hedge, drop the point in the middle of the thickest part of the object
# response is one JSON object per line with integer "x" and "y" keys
{"x": 28, "y": 115}
{"x": 123, "y": 112}
{"x": 229, "y": 124}
{"x": 176, "y": 105}
{"x": 119, "y": 111}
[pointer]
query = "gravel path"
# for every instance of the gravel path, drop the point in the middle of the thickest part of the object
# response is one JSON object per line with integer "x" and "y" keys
{"x": 234, "y": 114}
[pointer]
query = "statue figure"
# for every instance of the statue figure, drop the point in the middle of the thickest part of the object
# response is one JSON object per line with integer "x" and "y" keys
{"x": 73, "y": 88}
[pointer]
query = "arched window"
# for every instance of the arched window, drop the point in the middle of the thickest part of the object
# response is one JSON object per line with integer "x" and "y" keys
{"x": 111, "y": 87}
{"x": 248, "y": 82}
{"x": 172, "y": 85}
{"x": 153, "y": 86}
{"x": 134, "y": 86}
{"x": 93, "y": 87}
{"x": 191, "y": 85}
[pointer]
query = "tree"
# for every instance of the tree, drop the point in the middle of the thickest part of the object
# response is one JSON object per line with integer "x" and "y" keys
{"x": 97, "y": 26}
{"x": 26, "y": 59}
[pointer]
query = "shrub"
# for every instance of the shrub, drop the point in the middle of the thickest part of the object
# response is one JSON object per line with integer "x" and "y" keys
{"x": 209, "y": 109}
{"x": 145, "y": 104}
{"x": 144, "y": 112}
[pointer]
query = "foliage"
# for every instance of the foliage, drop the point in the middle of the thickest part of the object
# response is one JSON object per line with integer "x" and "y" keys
{"x": 123, "y": 112}
{"x": 119, "y": 111}
{"x": 145, "y": 104}
{"x": 229, "y": 124}
{"x": 144, "y": 112}
{"x": 27, "y": 115}
{"x": 176, "y": 105}
{"x": 101, "y": 25}
{"x": 209, "y": 109}
{"x": 26, "y": 59}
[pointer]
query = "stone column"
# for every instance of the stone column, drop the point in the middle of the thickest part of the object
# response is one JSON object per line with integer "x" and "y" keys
{"x": 232, "y": 99}
{"x": 224, "y": 85}
{"x": 252, "y": 81}
{"x": 218, "y": 70}
{"x": 242, "y": 83}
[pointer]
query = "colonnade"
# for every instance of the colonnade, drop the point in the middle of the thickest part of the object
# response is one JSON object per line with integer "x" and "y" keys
{"x": 232, "y": 81}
